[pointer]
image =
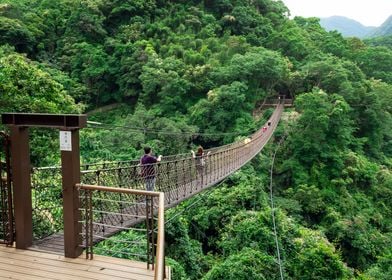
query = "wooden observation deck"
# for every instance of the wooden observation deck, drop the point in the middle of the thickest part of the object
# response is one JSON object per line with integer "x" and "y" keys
{"x": 34, "y": 265}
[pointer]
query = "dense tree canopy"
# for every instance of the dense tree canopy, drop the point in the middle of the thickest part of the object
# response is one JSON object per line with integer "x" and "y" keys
{"x": 199, "y": 69}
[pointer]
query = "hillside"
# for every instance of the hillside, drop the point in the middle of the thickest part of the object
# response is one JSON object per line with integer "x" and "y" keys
{"x": 346, "y": 26}
{"x": 384, "y": 30}
{"x": 189, "y": 73}
{"x": 352, "y": 28}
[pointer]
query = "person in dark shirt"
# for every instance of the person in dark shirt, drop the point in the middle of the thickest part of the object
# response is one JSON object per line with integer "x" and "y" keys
{"x": 148, "y": 168}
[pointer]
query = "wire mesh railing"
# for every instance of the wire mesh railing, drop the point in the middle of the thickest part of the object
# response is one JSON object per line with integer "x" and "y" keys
{"x": 184, "y": 176}
{"x": 111, "y": 217}
{"x": 47, "y": 201}
{"x": 6, "y": 206}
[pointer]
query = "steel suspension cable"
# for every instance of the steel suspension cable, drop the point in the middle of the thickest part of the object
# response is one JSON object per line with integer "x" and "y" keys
{"x": 103, "y": 126}
{"x": 273, "y": 208}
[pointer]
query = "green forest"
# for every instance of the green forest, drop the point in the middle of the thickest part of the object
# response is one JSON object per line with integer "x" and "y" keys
{"x": 200, "y": 70}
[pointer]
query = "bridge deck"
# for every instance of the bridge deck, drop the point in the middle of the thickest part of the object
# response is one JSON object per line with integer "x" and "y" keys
{"x": 27, "y": 264}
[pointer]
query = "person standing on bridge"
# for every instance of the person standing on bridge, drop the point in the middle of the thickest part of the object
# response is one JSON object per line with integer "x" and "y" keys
{"x": 200, "y": 158}
{"x": 147, "y": 163}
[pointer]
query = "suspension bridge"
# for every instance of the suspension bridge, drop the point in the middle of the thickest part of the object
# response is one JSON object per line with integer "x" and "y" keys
{"x": 73, "y": 207}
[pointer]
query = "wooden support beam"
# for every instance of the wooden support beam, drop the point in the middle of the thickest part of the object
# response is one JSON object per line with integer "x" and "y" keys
{"x": 70, "y": 159}
{"x": 20, "y": 164}
{"x": 70, "y": 168}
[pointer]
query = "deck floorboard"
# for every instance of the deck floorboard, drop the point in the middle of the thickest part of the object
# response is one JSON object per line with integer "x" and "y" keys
{"x": 28, "y": 264}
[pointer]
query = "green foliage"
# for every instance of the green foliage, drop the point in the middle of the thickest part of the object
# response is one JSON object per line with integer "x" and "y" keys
{"x": 26, "y": 88}
{"x": 184, "y": 67}
{"x": 85, "y": 22}
{"x": 374, "y": 119}
{"x": 247, "y": 264}
{"x": 222, "y": 109}
{"x": 248, "y": 228}
{"x": 376, "y": 62}
{"x": 15, "y": 33}
{"x": 186, "y": 251}
{"x": 114, "y": 247}
{"x": 178, "y": 272}
{"x": 292, "y": 41}
{"x": 316, "y": 259}
{"x": 385, "y": 41}
{"x": 258, "y": 68}
{"x": 382, "y": 270}
{"x": 325, "y": 132}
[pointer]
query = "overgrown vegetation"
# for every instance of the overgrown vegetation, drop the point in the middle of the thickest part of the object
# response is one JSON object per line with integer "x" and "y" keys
{"x": 203, "y": 66}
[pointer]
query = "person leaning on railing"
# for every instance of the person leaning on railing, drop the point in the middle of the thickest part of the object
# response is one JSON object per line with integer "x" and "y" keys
{"x": 148, "y": 168}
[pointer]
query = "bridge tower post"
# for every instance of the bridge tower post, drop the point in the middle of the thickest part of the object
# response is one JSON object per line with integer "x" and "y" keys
{"x": 69, "y": 125}
{"x": 21, "y": 182}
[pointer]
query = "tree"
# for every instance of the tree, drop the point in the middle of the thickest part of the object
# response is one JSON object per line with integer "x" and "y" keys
{"x": 247, "y": 264}
{"x": 374, "y": 118}
{"x": 91, "y": 66}
{"x": 316, "y": 258}
{"x": 163, "y": 83}
{"x": 325, "y": 131}
{"x": 376, "y": 62}
{"x": 15, "y": 33}
{"x": 186, "y": 250}
{"x": 292, "y": 41}
{"x": 248, "y": 228}
{"x": 224, "y": 106}
{"x": 382, "y": 270}
{"x": 24, "y": 87}
{"x": 85, "y": 23}
{"x": 334, "y": 76}
{"x": 259, "y": 69}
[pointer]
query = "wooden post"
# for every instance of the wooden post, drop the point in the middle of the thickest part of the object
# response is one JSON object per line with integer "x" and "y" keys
{"x": 70, "y": 166}
{"x": 70, "y": 160}
{"x": 20, "y": 164}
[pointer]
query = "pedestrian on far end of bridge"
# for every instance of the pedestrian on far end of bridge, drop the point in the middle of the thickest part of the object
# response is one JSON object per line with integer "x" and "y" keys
{"x": 200, "y": 158}
{"x": 147, "y": 163}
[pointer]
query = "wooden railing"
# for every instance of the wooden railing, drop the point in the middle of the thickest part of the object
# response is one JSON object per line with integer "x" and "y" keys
{"x": 160, "y": 254}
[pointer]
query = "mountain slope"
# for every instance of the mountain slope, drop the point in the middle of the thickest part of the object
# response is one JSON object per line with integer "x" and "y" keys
{"x": 348, "y": 27}
{"x": 384, "y": 30}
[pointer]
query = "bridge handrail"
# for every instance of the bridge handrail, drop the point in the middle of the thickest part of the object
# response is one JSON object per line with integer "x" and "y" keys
{"x": 160, "y": 261}
{"x": 219, "y": 155}
{"x": 160, "y": 246}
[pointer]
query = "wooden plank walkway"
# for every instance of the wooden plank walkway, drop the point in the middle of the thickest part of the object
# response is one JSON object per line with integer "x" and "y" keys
{"x": 27, "y": 264}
